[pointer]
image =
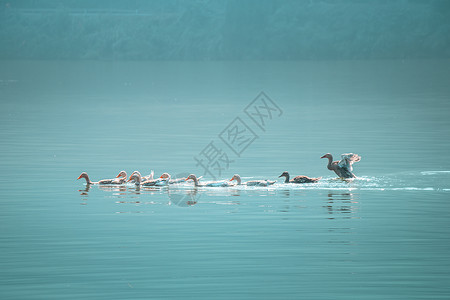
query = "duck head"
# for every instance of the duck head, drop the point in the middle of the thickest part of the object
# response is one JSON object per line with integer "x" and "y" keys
{"x": 235, "y": 177}
{"x": 284, "y": 174}
{"x": 192, "y": 176}
{"x": 135, "y": 177}
{"x": 83, "y": 175}
{"x": 165, "y": 176}
{"x": 122, "y": 174}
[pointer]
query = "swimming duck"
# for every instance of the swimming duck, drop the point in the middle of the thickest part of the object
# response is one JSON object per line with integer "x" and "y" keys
{"x": 252, "y": 182}
{"x": 170, "y": 180}
{"x": 209, "y": 183}
{"x": 298, "y": 179}
{"x": 176, "y": 180}
{"x": 120, "y": 178}
{"x": 116, "y": 180}
{"x": 342, "y": 168}
{"x": 148, "y": 177}
{"x": 144, "y": 178}
{"x": 136, "y": 177}
{"x": 86, "y": 176}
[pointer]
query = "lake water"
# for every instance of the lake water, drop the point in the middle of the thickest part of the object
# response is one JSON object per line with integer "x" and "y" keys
{"x": 385, "y": 235}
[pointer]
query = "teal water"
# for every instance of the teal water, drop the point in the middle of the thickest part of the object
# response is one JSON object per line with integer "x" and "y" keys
{"x": 383, "y": 236}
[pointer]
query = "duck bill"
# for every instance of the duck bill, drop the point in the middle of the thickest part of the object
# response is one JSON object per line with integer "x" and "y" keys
{"x": 324, "y": 156}
{"x": 79, "y": 177}
{"x": 280, "y": 176}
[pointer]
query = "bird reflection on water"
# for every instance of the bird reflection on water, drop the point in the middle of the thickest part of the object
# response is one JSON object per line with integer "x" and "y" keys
{"x": 337, "y": 201}
{"x": 341, "y": 202}
{"x": 183, "y": 198}
{"x": 84, "y": 193}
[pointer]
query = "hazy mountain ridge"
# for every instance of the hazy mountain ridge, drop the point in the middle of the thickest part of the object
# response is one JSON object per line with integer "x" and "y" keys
{"x": 230, "y": 30}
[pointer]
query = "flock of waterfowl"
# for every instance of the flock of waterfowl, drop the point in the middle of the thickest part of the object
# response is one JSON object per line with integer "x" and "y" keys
{"x": 343, "y": 168}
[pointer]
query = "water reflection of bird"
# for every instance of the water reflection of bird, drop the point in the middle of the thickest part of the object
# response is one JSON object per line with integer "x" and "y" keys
{"x": 341, "y": 203}
{"x": 119, "y": 190}
{"x": 183, "y": 198}
{"x": 209, "y": 183}
{"x": 252, "y": 182}
{"x": 298, "y": 179}
{"x": 342, "y": 168}
{"x": 85, "y": 191}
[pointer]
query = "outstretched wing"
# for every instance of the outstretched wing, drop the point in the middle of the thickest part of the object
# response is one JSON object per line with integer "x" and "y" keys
{"x": 347, "y": 160}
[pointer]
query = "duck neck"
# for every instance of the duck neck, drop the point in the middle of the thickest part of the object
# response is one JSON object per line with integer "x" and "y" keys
{"x": 88, "y": 181}
{"x": 287, "y": 178}
{"x": 138, "y": 180}
{"x": 195, "y": 181}
{"x": 238, "y": 179}
{"x": 166, "y": 180}
{"x": 330, "y": 160}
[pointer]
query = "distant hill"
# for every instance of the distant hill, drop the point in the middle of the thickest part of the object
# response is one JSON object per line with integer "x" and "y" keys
{"x": 224, "y": 30}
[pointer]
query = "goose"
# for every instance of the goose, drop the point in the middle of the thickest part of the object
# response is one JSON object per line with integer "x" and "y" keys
{"x": 86, "y": 176}
{"x": 342, "y": 168}
{"x": 120, "y": 178}
{"x": 170, "y": 180}
{"x": 209, "y": 183}
{"x": 149, "y": 176}
{"x": 298, "y": 179}
{"x": 252, "y": 182}
{"x": 144, "y": 178}
{"x": 176, "y": 180}
{"x": 136, "y": 177}
{"x": 117, "y": 180}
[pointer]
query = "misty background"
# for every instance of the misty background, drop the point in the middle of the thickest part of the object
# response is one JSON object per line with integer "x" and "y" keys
{"x": 224, "y": 30}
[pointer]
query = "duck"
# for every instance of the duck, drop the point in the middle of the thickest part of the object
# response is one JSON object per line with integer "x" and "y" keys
{"x": 144, "y": 178}
{"x": 117, "y": 180}
{"x": 176, "y": 180}
{"x": 149, "y": 176}
{"x": 299, "y": 179}
{"x": 121, "y": 178}
{"x": 170, "y": 180}
{"x": 86, "y": 176}
{"x": 209, "y": 183}
{"x": 137, "y": 178}
{"x": 252, "y": 182}
{"x": 343, "y": 168}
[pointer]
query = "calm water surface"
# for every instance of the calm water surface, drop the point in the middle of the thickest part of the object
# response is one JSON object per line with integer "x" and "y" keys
{"x": 383, "y": 236}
